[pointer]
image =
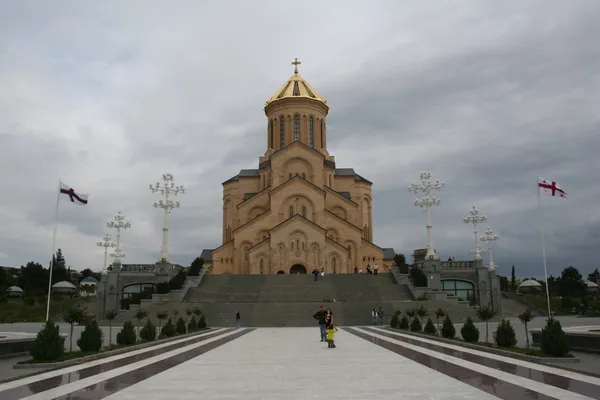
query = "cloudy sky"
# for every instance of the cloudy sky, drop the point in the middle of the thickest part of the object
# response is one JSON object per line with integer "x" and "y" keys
{"x": 486, "y": 95}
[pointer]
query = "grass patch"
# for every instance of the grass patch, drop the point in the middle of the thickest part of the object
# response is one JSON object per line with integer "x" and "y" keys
{"x": 18, "y": 311}
{"x": 65, "y": 357}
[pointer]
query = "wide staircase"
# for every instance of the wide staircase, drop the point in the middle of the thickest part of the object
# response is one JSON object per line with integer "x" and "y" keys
{"x": 291, "y": 300}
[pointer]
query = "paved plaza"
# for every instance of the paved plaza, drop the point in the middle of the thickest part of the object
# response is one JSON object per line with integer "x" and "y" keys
{"x": 291, "y": 363}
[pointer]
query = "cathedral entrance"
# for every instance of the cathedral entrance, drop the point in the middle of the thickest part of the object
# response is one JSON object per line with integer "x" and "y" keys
{"x": 280, "y": 272}
{"x": 298, "y": 269}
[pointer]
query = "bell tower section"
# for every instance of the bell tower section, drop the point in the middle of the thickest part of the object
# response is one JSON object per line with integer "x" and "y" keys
{"x": 296, "y": 112}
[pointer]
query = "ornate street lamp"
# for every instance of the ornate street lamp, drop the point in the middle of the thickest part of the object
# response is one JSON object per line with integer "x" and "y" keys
{"x": 426, "y": 187}
{"x": 118, "y": 224}
{"x": 106, "y": 243}
{"x": 490, "y": 238}
{"x": 475, "y": 217}
{"x": 167, "y": 189}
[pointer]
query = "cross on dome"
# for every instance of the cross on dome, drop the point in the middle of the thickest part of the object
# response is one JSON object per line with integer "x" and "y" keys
{"x": 295, "y": 63}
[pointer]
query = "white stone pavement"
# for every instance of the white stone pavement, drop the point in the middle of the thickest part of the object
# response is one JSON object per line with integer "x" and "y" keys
{"x": 291, "y": 363}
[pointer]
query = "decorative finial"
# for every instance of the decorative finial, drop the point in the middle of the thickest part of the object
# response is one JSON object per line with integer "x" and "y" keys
{"x": 295, "y": 63}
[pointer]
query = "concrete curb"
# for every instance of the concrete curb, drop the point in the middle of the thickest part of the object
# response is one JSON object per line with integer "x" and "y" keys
{"x": 105, "y": 354}
{"x": 499, "y": 352}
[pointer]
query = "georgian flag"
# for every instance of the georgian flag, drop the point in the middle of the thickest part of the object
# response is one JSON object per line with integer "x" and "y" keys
{"x": 69, "y": 194}
{"x": 550, "y": 188}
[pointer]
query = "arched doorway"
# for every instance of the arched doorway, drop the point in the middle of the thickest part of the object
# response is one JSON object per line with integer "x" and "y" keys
{"x": 298, "y": 269}
{"x": 280, "y": 272}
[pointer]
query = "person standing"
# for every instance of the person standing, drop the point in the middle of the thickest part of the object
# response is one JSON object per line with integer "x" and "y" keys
{"x": 238, "y": 318}
{"x": 380, "y": 315}
{"x": 316, "y": 274}
{"x": 322, "y": 272}
{"x": 374, "y": 316}
{"x": 320, "y": 317}
{"x": 375, "y": 269}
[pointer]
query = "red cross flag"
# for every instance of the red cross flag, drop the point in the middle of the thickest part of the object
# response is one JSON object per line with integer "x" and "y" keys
{"x": 69, "y": 194}
{"x": 551, "y": 188}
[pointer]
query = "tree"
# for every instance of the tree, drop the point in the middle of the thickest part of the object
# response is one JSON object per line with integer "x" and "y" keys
{"x": 505, "y": 334}
{"x": 469, "y": 331}
{"x": 161, "y": 316}
{"x": 110, "y": 316}
{"x": 403, "y": 324}
{"x": 148, "y": 332}
{"x": 422, "y": 313}
{"x": 439, "y": 314}
{"x": 127, "y": 335}
{"x": 513, "y": 279}
{"x": 49, "y": 344}
{"x": 525, "y": 318}
{"x": 188, "y": 312}
{"x": 140, "y": 315}
{"x": 85, "y": 274}
{"x": 429, "y": 327}
{"x": 571, "y": 283}
{"x": 33, "y": 279}
{"x": 415, "y": 325}
{"x": 448, "y": 330}
{"x": 485, "y": 314}
{"x": 91, "y": 337}
{"x": 594, "y": 276}
{"x": 418, "y": 277}
{"x": 59, "y": 268}
{"x": 181, "y": 326}
{"x": 554, "y": 341}
{"x": 400, "y": 262}
{"x": 196, "y": 267}
{"x": 73, "y": 316}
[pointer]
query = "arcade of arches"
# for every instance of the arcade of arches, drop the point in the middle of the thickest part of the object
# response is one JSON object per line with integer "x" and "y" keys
{"x": 297, "y": 211}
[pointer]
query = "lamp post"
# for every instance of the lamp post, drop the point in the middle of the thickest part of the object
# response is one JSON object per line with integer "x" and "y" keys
{"x": 106, "y": 243}
{"x": 490, "y": 238}
{"x": 118, "y": 224}
{"x": 475, "y": 217}
{"x": 426, "y": 187}
{"x": 167, "y": 189}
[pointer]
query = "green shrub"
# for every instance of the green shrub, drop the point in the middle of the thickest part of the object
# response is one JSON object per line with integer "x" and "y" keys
{"x": 404, "y": 324}
{"x": 202, "y": 322}
{"x": 181, "y": 328}
{"x": 148, "y": 332}
{"x": 469, "y": 331}
{"x": 554, "y": 341}
{"x": 91, "y": 337}
{"x": 394, "y": 319}
{"x": 48, "y": 345}
{"x": 505, "y": 334}
{"x": 415, "y": 325}
{"x": 448, "y": 330}
{"x": 430, "y": 327}
{"x": 193, "y": 325}
{"x": 29, "y": 301}
{"x": 127, "y": 335}
{"x": 168, "y": 330}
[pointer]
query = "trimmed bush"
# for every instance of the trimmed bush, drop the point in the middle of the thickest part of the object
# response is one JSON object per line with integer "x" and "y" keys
{"x": 127, "y": 336}
{"x": 505, "y": 334}
{"x": 168, "y": 330}
{"x": 202, "y": 322}
{"x": 394, "y": 319}
{"x": 469, "y": 331}
{"x": 193, "y": 325}
{"x": 181, "y": 328}
{"x": 554, "y": 341}
{"x": 148, "y": 332}
{"x": 415, "y": 325}
{"x": 404, "y": 324}
{"x": 448, "y": 330}
{"x": 430, "y": 327}
{"x": 48, "y": 345}
{"x": 91, "y": 337}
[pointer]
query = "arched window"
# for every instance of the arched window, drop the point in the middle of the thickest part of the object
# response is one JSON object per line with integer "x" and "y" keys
{"x": 281, "y": 132}
{"x": 292, "y": 245}
{"x": 271, "y": 133}
{"x": 304, "y": 211}
{"x": 311, "y": 132}
{"x": 296, "y": 128}
{"x": 262, "y": 266}
{"x": 291, "y": 211}
{"x": 297, "y": 244}
{"x": 333, "y": 264}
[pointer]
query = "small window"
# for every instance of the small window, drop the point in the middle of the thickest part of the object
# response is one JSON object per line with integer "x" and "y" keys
{"x": 281, "y": 132}
{"x": 303, "y": 175}
{"x": 297, "y": 244}
{"x": 311, "y": 132}
{"x": 296, "y": 128}
{"x": 292, "y": 245}
{"x": 303, "y": 246}
{"x": 291, "y": 211}
{"x": 304, "y": 211}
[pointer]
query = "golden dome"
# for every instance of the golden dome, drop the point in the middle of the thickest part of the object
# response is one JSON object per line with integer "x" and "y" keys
{"x": 296, "y": 87}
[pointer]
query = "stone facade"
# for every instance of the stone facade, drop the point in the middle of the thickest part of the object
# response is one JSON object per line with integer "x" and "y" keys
{"x": 297, "y": 211}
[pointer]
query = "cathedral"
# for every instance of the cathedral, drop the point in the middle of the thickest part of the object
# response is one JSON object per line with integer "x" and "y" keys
{"x": 297, "y": 211}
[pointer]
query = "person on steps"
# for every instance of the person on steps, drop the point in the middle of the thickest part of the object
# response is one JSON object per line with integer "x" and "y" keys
{"x": 320, "y": 317}
{"x": 238, "y": 318}
{"x": 331, "y": 331}
{"x": 374, "y": 316}
{"x": 380, "y": 315}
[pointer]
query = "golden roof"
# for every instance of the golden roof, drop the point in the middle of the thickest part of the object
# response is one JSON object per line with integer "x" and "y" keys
{"x": 296, "y": 87}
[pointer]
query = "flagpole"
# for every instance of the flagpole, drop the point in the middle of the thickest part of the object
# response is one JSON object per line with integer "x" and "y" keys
{"x": 53, "y": 251}
{"x": 543, "y": 248}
